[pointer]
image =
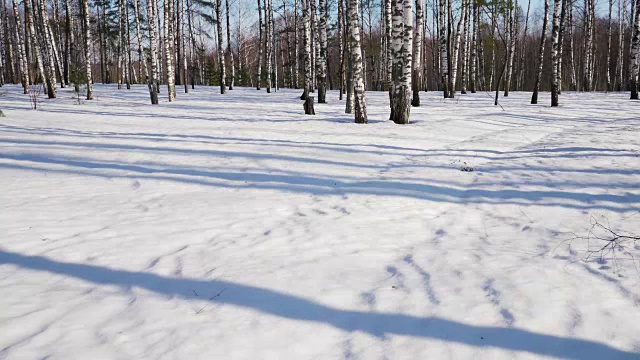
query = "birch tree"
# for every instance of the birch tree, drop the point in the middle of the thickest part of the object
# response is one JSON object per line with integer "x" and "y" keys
{"x": 221, "y": 67}
{"x": 511, "y": 46}
{"x": 554, "y": 51}
{"x": 260, "y": 41}
{"x": 153, "y": 42}
{"x": 360, "y": 106}
{"x": 268, "y": 43}
{"x": 22, "y": 56}
{"x": 168, "y": 48}
{"x": 306, "y": 42}
{"x": 635, "y": 52}
{"x": 456, "y": 50}
{"x": 87, "y": 47}
{"x": 417, "y": 54}
{"x": 444, "y": 49}
{"x": 402, "y": 19}
{"x": 543, "y": 38}
{"x": 232, "y": 74}
{"x": 322, "y": 58}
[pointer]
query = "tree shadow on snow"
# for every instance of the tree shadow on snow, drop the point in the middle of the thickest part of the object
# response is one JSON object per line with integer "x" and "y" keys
{"x": 297, "y": 308}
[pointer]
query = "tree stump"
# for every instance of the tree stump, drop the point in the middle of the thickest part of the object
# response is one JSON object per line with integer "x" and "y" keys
{"x": 308, "y": 106}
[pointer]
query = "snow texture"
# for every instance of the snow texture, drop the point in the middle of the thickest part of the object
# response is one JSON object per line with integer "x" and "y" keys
{"x": 235, "y": 227}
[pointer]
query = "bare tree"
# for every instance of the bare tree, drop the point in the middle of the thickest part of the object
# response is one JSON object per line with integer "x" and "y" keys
{"x": 417, "y": 54}
{"x": 22, "y": 56}
{"x": 322, "y": 58}
{"x": 153, "y": 36}
{"x": 635, "y": 53}
{"x": 360, "y": 106}
{"x": 402, "y": 18}
{"x": 554, "y": 51}
{"x": 543, "y": 37}
{"x": 87, "y": 47}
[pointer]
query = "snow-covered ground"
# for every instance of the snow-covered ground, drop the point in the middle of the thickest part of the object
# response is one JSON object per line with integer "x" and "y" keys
{"x": 235, "y": 227}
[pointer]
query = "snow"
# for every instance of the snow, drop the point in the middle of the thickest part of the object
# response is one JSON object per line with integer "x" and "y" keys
{"x": 233, "y": 226}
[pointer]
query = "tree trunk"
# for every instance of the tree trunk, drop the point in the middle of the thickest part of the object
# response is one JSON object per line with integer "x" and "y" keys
{"x": 24, "y": 67}
{"x": 269, "y": 44}
{"x": 464, "y": 78}
{"x": 142, "y": 63}
{"x": 608, "y": 61}
{"x": 572, "y": 65}
{"x": 588, "y": 23}
{"x": 554, "y": 51}
{"x": 474, "y": 53}
{"x": 456, "y": 49}
{"x": 128, "y": 45}
{"x": 444, "y": 49}
{"x": 308, "y": 82}
{"x": 185, "y": 46}
{"x": 296, "y": 45}
{"x": 232, "y": 74}
{"x": 635, "y": 53}
{"x": 402, "y": 47}
{"x": 31, "y": 30}
{"x": 260, "y": 41}
{"x": 322, "y": 58}
{"x": 511, "y": 50}
{"x": 523, "y": 51}
{"x": 543, "y": 37}
{"x": 168, "y": 49}
{"x": 417, "y": 54}
{"x": 87, "y": 47}
{"x": 153, "y": 41}
{"x": 360, "y": 106}
{"x": 221, "y": 67}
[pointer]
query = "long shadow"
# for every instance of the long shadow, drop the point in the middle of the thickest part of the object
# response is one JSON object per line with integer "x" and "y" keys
{"x": 560, "y": 152}
{"x": 317, "y": 185}
{"x": 297, "y": 308}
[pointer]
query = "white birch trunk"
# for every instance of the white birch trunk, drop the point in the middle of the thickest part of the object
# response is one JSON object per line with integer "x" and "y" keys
{"x": 87, "y": 47}
{"x": 142, "y": 63}
{"x": 221, "y": 67}
{"x": 168, "y": 50}
{"x": 554, "y": 52}
{"x": 308, "y": 82}
{"x": 403, "y": 50}
{"x": 543, "y": 38}
{"x": 260, "y": 41}
{"x": 417, "y": 54}
{"x": 456, "y": 49}
{"x": 268, "y": 44}
{"x": 322, "y": 58}
{"x": 360, "y": 106}
{"x": 635, "y": 53}
{"x": 22, "y": 56}
{"x": 232, "y": 74}
{"x": 153, "y": 41}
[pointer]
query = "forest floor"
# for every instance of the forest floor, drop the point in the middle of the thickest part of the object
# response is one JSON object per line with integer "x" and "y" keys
{"x": 235, "y": 227}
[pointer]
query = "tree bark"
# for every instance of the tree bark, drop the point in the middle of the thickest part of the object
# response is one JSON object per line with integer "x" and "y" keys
{"x": 308, "y": 82}
{"x": 260, "y": 41}
{"x": 402, "y": 47}
{"x": 635, "y": 53}
{"x": 554, "y": 51}
{"x": 543, "y": 38}
{"x": 221, "y": 66}
{"x": 322, "y": 58}
{"x": 153, "y": 41}
{"x": 22, "y": 56}
{"x": 87, "y": 47}
{"x": 444, "y": 49}
{"x": 417, "y": 54}
{"x": 360, "y": 106}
